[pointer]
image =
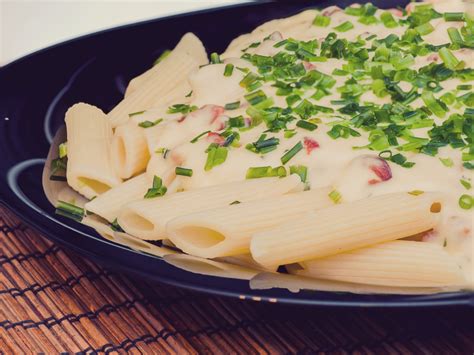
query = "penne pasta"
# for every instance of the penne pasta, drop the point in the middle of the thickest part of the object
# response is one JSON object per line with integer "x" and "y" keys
{"x": 245, "y": 260}
{"x": 129, "y": 150}
{"x": 172, "y": 72}
{"x": 147, "y": 219}
{"x": 398, "y": 263}
{"x": 345, "y": 227}
{"x": 226, "y": 231}
{"x": 90, "y": 170}
{"x": 208, "y": 267}
{"x": 296, "y": 283}
{"x": 108, "y": 204}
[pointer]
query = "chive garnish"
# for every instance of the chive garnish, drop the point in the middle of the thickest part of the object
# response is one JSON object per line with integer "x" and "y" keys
{"x": 453, "y": 16}
{"x": 467, "y": 185}
{"x": 115, "y": 226}
{"x": 416, "y": 192}
{"x": 215, "y": 59}
{"x": 388, "y": 20}
{"x": 216, "y": 155}
{"x": 62, "y": 150}
{"x": 306, "y": 125}
{"x": 424, "y": 29}
{"x": 248, "y": 79}
{"x": 321, "y": 21}
{"x": 195, "y": 139}
{"x": 135, "y": 113}
{"x": 447, "y": 162}
{"x": 344, "y": 27}
{"x": 265, "y": 171}
{"x": 148, "y": 124}
{"x": 300, "y": 170}
{"x": 162, "y": 56}
{"x": 335, "y": 196}
{"x": 163, "y": 151}
{"x": 449, "y": 59}
{"x": 291, "y": 153}
{"x": 464, "y": 87}
{"x": 236, "y": 122}
{"x": 189, "y": 94}
{"x": 232, "y": 105}
{"x": 181, "y": 108}
{"x": 229, "y": 69}
{"x": 183, "y": 171}
{"x": 255, "y": 97}
{"x": 157, "y": 188}
{"x": 70, "y": 210}
{"x": 466, "y": 202}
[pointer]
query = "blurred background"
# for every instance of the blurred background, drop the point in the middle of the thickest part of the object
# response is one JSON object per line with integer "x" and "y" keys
{"x": 29, "y": 25}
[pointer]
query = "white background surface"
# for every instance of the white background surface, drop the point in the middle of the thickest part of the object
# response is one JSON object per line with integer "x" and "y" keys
{"x": 28, "y": 25}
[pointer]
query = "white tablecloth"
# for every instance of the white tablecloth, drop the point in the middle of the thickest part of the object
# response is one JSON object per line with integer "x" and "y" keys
{"x": 29, "y": 25}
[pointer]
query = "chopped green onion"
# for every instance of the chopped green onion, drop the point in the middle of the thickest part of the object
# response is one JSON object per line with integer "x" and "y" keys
{"x": 255, "y": 97}
{"x": 157, "y": 188}
{"x": 449, "y": 59}
{"x": 454, "y": 35}
{"x": 433, "y": 104}
{"x": 228, "y": 70}
{"x": 467, "y": 185}
{"x": 468, "y": 165}
{"x": 232, "y": 105}
{"x": 344, "y": 27}
{"x": 248, "y": 80}
{"x": 215, "y": 59}
{"x": 321, "y": 21}
{"x": 236, "y": 122}
{"x": 291, "y": 153}
{"x": 388, "y": 20}
{"x": 453, "y": 16}
{"x": 416, "y": 192}
{"x": 189, "y": 94}
{"x": 265, "y": 171}
{"x": 300, "y": 170}
{"x": 466, "y": 202}
{"x": 464, "y": 87}
{"x": 183, "y": 171}
{"x": 195, "y": 139}
{"x": 58, "y": 164}
{"x": 162, "y": 56}
{"x": 182, "y": 108}
{"x": 289, "y": 133}
{"x": 216, "y": 155}
{"x": 62, "y": 150}
{"x": 69, "y": 210}
{"x": 135, "y": 113}
{"x": 447, "y": 162}
{"x": 424, "y": 29}
{"x": 163, "y": 151}
{"x": 148, "y": 124}
{"x": 306, "y": 125}
{"x": 335, "y": 196}
{"x": 115, "y": 226}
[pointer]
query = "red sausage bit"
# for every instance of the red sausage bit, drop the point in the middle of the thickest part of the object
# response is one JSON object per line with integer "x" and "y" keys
{"x": 310, "y": 144}
{"x": 215, "y": 138}
{"x": 382, "y": 170}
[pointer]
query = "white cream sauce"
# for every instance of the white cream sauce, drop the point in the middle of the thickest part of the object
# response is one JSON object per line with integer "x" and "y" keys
{"x": 334, "y": 162}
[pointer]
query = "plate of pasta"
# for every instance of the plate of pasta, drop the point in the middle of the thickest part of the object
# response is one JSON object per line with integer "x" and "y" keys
{"x": 310, "y": 154}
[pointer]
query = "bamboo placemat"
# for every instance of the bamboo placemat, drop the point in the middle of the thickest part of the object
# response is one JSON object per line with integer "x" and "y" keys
{"x": 52, "y": 300}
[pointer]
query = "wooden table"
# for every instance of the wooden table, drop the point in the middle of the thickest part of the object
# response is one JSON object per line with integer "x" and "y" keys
{"x": 52, "y": 300}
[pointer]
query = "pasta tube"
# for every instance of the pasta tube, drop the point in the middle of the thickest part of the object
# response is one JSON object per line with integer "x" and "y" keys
{"x": 227, "y": 230}
{"x": 129, "y": 150}
{"x": 210, "y": 267}
{"x": 187, "y": 56}
{"x": 398, "y": 263}
{"x": 296, "y": 283}
{"x": 90, "y": 170}
{"x": 108, "y": 204}
{"x": 345, "y": 227}
{"x": 147, "y": 219}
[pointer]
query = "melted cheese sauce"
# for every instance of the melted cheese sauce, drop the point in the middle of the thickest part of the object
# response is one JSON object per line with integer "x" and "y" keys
{"x": 355, "y": 173}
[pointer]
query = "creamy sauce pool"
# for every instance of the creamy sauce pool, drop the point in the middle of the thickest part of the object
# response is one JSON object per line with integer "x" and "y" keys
{"x": 354, "y": 173}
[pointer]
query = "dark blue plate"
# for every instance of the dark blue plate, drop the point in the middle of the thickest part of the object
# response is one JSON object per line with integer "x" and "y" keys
{"x": 35, "y": 92}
